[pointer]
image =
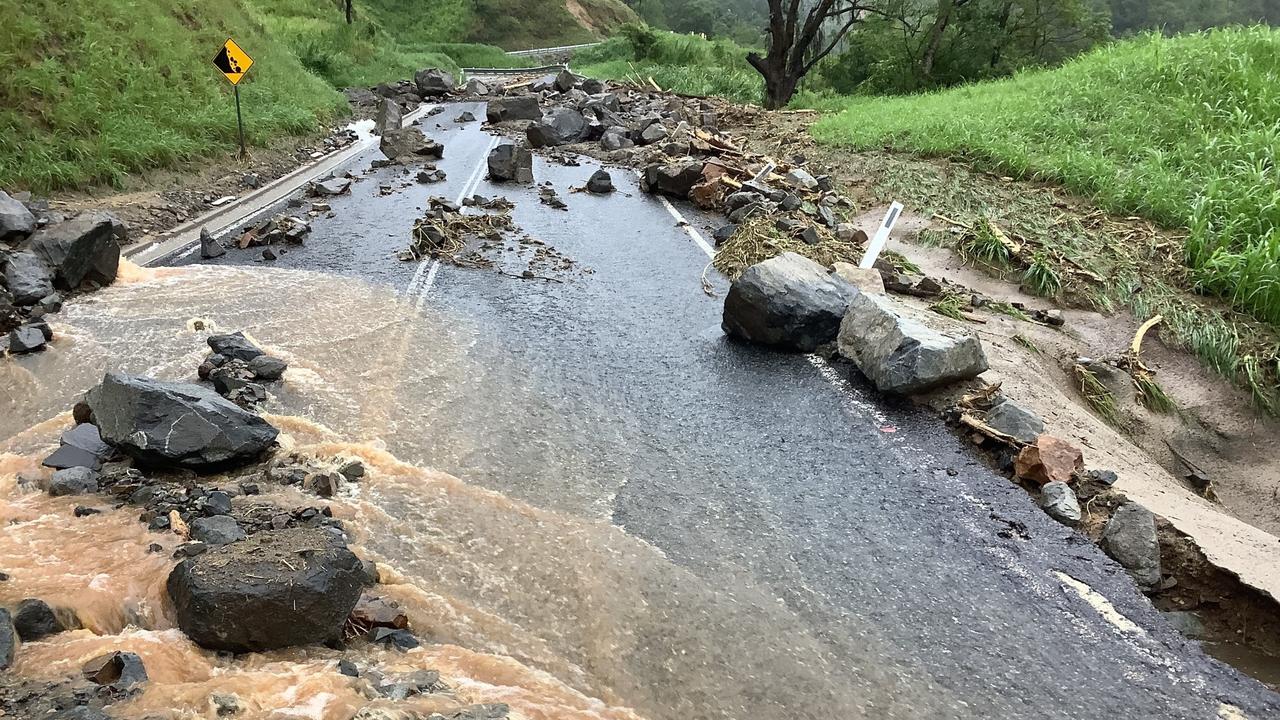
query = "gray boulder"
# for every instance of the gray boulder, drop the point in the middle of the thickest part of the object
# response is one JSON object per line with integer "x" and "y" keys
{"x": 433, "y": 82}
{"x": 28, "y": 278}
{"x": 26, "y": 339}
{"x": 601, "y": 183}
{"x": 521, "y": 107}
{"x": 267, "y": 368}
{"x": 8, "y": 640}
{"x": 275, "y": 590}
{"x": 74, "y": 481}
{"x": 81, "y": 249}
{"x": 508, "y": 163}
{"x": 654, "y": 133}
{"x": 615, "y": 140}
{"x": 561, "y": 126}
{"x": 388, "y": 116}
{"x": 902, "y": 356}
{"x": 234, "y": 346}
{"x": 16, "y": 221}
{"x": 591, "y": 86}
{"x": 476, "y": 86}
{"x": 209, "y": 246}
{"x": 801, "y": 180}
{"x": 34, "y": 620}
{"x": 176, "y": 424}
{"x": 1016, "y": 421}
{"x": 217, "y": 530}
{"x": 1130, "y": 539}
{"x": 674, "y": 179}
{"x": 788, "y": 301}
{"x": 409, "y": 144}
{"x": 565, "y": 80}
{"x": 1059, "y": 501}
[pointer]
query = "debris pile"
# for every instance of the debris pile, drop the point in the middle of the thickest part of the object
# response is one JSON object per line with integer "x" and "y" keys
{"x": 446, "y": 233}
{"x": 237, "y": 369}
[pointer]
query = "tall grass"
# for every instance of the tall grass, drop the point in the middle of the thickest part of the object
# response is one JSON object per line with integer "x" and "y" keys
{"x": 1183, "y": 130}
{"x": 682, "y": 63}
{"x": 92, "y": 91}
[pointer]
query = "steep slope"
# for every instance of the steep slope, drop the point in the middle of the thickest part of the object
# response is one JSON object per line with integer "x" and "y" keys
{"x": 521, "y": 24}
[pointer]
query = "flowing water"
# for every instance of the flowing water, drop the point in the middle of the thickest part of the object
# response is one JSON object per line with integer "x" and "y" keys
{"x": 522, "y": 590}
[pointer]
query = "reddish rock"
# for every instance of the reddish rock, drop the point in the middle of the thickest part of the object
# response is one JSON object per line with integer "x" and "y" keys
{"x": 1050, "y": 459}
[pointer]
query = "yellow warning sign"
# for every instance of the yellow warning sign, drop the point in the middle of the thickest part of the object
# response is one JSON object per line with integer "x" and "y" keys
{"x": 232, "y": 61}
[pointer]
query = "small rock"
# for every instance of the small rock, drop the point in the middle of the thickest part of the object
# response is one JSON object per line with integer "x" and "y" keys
{"x": 1130, "y": 538}
{"x": 402, "y": 640}
{"x": 348, "y": 668}
{"x": 1059, "y": 501}
{"x": 51, "y": 303}
{"x": 216, "y": 503}
{"x": 225, "y": 705}
{"x": 83, "y": 511}
{"x": 268, "y": 254}
{"x": 116, "y": 670}
{"x": 847, "y": 232}
{"x": 724, "y": 234}
{"x": 190, "y": 549}
{"x": 867, "y": 280}
{"x": 326, "y": 485}
{"x": 351, "y": 470}
{"x": 1104, "y": 477}
{"x": 217, "y": 530}
{"x": 1050, "y": 459}
{"x": 1187, "y": 623}
{"x": 1015, "y": 421}
{"x": 26, "y": 339}
{"x": 73, "y": 481}
{"x": 801, "y": 180}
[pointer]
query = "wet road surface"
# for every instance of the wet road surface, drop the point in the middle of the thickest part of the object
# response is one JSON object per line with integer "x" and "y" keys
{"x": 876, "y": 568}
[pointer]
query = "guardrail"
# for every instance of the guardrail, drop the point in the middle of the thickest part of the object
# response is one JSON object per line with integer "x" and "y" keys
{"x": 514, "y": 71}
{"x": 550, "y": 51}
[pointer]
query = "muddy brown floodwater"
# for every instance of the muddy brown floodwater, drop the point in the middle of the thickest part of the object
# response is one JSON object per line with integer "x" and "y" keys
{"x": 535, "y": 601}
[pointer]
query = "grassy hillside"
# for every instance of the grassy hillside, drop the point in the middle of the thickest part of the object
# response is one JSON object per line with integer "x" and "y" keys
{"x": 95, "y": 89}
{"x": 683, "y": 63}
{"x": 1185, "y": 131}
{"x": 525, "y": 24}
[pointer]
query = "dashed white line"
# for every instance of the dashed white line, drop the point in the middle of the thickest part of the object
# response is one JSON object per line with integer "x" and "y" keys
{"x": 688, "y": 228}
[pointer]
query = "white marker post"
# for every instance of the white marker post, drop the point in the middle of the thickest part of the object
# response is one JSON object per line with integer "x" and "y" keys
{"x": 882, "y": 236}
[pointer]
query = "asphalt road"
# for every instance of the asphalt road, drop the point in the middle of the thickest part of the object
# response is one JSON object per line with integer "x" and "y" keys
{"x": 929, "y": 586}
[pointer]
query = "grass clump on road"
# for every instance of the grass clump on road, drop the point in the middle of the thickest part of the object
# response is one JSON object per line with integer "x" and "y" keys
{"x": 1184, "y": 131}
{"x": 94, "y": 91}
{"x": 685, "y": 64}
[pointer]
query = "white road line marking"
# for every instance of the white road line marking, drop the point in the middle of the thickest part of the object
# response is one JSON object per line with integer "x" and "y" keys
{"x": 1231, "y": 712}
{"x": 688, "y": 228}
{"x": 1100, "y": 603}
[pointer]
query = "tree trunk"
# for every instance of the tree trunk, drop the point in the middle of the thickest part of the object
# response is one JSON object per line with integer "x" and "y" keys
{"x": 934, "y": 41}
{"x": 778, "y": 90}
{"x": 350, "y": 12}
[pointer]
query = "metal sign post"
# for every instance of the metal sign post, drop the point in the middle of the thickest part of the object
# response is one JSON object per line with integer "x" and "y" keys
{"x": 240, "y": 124}
{"x": 233, "y": 63}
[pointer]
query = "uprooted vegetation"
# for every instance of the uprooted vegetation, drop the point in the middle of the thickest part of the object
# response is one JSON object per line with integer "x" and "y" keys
{"x": 1177, "y": 130}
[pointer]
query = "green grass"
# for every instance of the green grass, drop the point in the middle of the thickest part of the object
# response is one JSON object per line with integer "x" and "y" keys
{"x": 1183, "y": 130}
{"x": 681, "y": 63}
{"x": 93, "y": 91}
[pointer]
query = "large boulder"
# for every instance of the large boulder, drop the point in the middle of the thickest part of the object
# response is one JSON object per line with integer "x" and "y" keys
{"x": 433, "y": 82}
{"x": 81, "y": 249}
{"x": 561, "y": 126}
{"x": 520, "y": 107}
{"x": 1130, "y": 538}
{"x": 788, "y": 301}
{"x": 902, "y": 356}
{"x": 26, "y": 339}
{"x": 565, "y": 80}
{"x": 16, "y": 221}
{"x": 28, "y": 278}
{"x": 34, "y": 620}
{"x": 176, "y": 424}
{"x": 409, "y": 144}
{"x": 509, "y": 163}
{"x": 674, "y": 179}
{"x": 275, "y": 590}
{"x": 234, "y": 346}
{"x": 388, "y": 117}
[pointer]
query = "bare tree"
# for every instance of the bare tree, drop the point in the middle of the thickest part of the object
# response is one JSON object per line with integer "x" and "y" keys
{"x": 801, "y": 33}
{"x": 350, "y": 11}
